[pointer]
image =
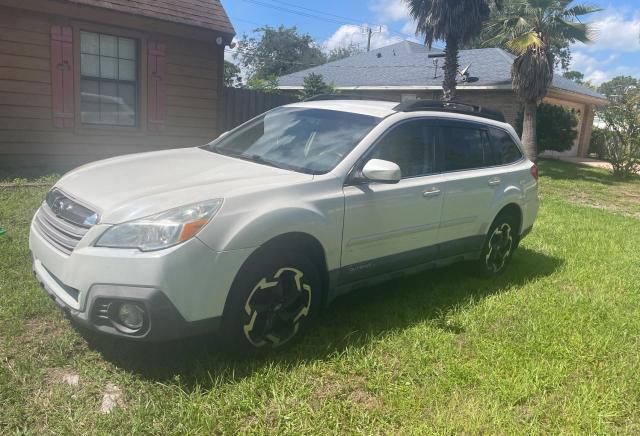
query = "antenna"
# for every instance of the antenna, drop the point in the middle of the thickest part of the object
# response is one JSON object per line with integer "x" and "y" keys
{"x": 436, "y": 58}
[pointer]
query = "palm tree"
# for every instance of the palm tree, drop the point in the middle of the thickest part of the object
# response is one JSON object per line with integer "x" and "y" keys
{"x": 456, "y": 22}
{"x": 529, "y": 28}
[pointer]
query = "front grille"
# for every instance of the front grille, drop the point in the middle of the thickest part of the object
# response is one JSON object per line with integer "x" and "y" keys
{"x": 65, "y": 227}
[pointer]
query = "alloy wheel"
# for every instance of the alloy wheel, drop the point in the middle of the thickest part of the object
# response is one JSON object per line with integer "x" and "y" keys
{"x": 275, "y": 308}
{"x": 500, "y": 247}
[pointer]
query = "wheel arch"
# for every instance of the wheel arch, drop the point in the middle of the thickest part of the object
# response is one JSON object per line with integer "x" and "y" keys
{"x": 515, "y": 210}
{"x": 300, "y": 242}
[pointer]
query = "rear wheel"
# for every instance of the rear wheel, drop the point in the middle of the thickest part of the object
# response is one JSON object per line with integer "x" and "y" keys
{"x": 500, "y": 243}
{"x": 271, "y": 302}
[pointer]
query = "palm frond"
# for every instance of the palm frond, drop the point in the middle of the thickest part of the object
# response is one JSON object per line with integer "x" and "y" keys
{"x": 524, "y": 42}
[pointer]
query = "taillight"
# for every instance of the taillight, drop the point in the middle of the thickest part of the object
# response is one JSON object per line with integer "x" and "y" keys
{"x": 534, "y": 172}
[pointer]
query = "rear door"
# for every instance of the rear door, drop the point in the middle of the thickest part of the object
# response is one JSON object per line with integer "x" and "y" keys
{"x": 392, "y": 226}
{"x": 470, "y": 182}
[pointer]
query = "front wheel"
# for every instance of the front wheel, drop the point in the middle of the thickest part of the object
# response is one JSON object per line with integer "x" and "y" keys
{"x": 499, "y": 245}
{"x": 271, "y": 302}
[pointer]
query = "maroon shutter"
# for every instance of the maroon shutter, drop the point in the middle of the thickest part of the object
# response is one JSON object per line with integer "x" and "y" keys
{"x": 62, "y": 75}
{"x": 156, "y": 93}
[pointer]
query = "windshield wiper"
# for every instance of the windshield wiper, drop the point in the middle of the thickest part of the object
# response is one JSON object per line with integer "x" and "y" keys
{"x": 250, "y": 157}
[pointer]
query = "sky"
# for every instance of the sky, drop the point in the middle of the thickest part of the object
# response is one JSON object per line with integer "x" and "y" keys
{"x": 338, "y": 23}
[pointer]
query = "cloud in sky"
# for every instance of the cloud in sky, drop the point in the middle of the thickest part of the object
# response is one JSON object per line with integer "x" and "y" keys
{"x": 615, "y": 42}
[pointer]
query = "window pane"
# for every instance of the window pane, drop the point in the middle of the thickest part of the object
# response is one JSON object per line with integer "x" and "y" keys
{"x": 504, "y": 147}
{"x": 126, "y": 48}
{"x": 411, "y": 146}
{"x": 90, "y": 65}
{"x": 114, "y": 100}
{"x": 127, "y": 70}
{"x": 108, "y": 46}
{"x": 109, "y": 113}
{"x": 108, "y": 68}
{"x": 126, "y": 116}
{"x": 463, "y": 148}
{"x": 127, "y": 94}
{"x": 89, "y": 43}
{"x": 90, "y": 112}
{"x": 90, "y": 91}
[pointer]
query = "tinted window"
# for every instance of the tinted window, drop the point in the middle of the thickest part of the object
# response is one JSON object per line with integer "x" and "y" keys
{"x": 505, "y": 148}
{"x": 465, "y": 148}
{"x": 307, "y": 140}
{"x": 411, "y": 146}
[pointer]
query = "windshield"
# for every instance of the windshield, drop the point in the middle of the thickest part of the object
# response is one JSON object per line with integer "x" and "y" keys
{"x": 312, "y": 141}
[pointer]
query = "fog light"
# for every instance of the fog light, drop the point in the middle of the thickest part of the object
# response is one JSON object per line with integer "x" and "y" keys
{"x": 131, "y": 316}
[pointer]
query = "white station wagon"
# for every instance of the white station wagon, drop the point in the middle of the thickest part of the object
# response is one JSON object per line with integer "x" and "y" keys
{"x": 253, "y": 234}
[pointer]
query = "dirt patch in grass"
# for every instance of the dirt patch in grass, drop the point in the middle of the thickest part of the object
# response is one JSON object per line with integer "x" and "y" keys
{"x": 40, "y": 329}
{"x": 355, "y": 391}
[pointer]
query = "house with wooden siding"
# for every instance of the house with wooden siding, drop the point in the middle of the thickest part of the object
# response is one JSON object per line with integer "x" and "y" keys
{"x": 82, "y": 80}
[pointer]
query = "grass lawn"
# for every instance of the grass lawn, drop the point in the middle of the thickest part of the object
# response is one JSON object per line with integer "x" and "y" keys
{"x": 553, "y": 345}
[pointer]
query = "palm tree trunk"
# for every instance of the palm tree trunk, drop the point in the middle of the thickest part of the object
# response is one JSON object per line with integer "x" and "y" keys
{"x": 450, "y": 69}
{"x": 529, "y": 130}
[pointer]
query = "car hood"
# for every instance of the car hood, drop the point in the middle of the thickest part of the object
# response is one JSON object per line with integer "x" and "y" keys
{"x": 138, "y": 185}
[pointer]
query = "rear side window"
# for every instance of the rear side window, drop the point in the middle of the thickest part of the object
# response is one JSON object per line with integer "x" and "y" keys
{"x": 410, "y": 145}
{"x": 505, "y": 149}
{"x": 465, "y": 148}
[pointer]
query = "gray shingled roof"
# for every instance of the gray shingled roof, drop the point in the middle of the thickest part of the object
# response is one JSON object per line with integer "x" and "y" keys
{"x": 406, "y": 64}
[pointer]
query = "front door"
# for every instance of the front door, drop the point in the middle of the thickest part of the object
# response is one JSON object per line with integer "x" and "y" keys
{"x": 392, "y": 226}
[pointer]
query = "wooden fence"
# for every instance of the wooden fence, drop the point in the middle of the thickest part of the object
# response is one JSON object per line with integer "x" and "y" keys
{"x": 240, "y": 105}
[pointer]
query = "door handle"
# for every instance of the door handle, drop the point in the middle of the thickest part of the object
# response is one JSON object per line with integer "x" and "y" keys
{"x": 433, "y": 192}
{"x": 494, "y": 181}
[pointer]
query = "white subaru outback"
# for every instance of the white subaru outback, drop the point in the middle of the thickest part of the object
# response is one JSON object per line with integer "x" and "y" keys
{"x": 252, "y": 234}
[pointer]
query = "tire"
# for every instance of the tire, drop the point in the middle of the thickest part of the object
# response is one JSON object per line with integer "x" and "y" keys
{"x": 499, "y": 245}
{"x": 271, "y": 303}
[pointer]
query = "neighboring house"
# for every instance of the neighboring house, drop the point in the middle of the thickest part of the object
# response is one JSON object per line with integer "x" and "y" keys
{"x": 404, "y": 71}
{"x": 87, "y": 79}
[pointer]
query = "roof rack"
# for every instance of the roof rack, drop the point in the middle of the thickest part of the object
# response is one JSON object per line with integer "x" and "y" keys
{"x": 321, "y": 97}
{"x": 454, "y": 107}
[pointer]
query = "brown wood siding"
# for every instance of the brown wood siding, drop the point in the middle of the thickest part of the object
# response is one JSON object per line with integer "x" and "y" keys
{"x": 27, "y": 135}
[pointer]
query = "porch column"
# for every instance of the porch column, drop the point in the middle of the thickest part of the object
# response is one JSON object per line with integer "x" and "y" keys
{"x": 586, "y": 129}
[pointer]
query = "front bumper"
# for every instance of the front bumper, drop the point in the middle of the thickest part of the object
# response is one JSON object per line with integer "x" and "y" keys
{"x": 183, "y": 289}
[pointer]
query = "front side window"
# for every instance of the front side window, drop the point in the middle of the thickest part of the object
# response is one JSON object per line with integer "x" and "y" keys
{"x": 465, "y": 148}
{"x": 108, "y": 84}
{"x": 505, "y": 148}
{"x": 410, "y": 145}
{"x": 312, "y": 141}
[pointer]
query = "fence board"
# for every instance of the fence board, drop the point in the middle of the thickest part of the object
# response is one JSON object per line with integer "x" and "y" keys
{"x": 240, "y": 105}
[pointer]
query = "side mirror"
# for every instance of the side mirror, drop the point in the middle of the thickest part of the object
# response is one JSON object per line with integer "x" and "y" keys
{"x": 382, "y": 171}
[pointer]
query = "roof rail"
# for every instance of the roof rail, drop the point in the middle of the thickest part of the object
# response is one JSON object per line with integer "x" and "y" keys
{"x": 321, "y": 97}
{"x": 454, "y": 107}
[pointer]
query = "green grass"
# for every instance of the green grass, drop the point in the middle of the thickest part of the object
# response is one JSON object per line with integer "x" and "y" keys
{"x": 553, "y": 345}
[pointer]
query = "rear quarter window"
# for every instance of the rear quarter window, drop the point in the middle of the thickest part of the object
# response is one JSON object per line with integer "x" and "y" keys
{"x": 505, "y": 149}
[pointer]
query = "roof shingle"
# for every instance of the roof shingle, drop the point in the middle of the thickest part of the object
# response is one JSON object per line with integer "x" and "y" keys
{"x": 407, "y": 64}
{"x": 208, "y": 14}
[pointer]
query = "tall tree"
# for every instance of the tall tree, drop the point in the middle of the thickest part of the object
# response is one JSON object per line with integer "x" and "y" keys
{"x": 456, "y": 23}
{"x": 232, "y": 75}
{"x": 344, "y": 52}
{"x": 278, "y": 51}
{"x": 576, "y": 76}
{"x": 529, "y": 29}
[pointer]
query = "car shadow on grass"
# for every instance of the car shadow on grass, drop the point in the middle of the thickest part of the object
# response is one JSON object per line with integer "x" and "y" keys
{"x": 350, "y": 322}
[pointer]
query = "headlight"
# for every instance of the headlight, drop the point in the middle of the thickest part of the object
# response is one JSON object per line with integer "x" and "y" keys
{"x": 162, "y": 230}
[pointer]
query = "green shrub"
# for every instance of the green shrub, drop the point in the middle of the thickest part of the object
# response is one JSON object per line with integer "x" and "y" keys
{"x": 597, "y": 144}
{"x": 556, "y": 127}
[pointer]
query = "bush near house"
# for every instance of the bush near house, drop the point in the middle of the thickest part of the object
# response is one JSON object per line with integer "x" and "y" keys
{"x": 556, "y": 127}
